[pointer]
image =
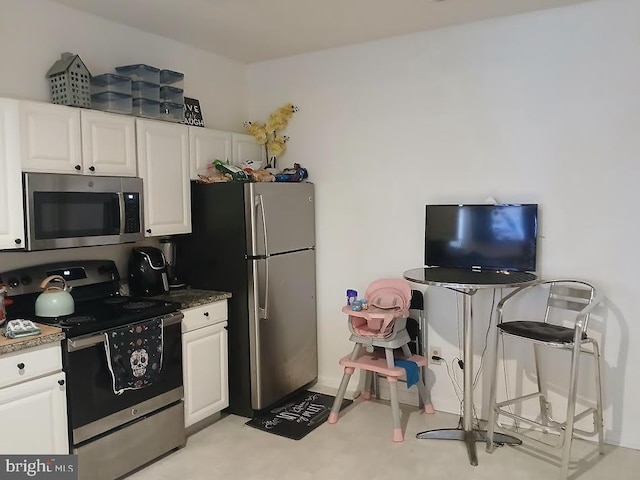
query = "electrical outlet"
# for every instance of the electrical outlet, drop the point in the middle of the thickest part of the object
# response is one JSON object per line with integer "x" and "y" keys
{"x": 435, "y": 352}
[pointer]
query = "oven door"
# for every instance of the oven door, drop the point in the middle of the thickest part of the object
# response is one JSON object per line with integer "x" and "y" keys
{"x": 75, "y": 211}
{"x": 93, "y": 406}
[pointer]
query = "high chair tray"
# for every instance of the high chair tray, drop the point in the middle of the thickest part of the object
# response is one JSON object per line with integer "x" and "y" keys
{"x": 378, "y": 363}
{"x": 375, "y": 312}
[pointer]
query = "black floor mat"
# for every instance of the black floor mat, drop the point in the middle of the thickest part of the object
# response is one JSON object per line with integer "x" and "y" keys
{"x": 296, "y": 416}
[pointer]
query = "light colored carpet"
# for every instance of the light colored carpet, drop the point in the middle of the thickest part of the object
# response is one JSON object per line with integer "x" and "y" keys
{"x": 359, "y": 447}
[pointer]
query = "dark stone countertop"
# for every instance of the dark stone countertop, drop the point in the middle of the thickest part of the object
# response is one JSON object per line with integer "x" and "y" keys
{"x": 193, "y": 297}
{"x": 48, "y": 334}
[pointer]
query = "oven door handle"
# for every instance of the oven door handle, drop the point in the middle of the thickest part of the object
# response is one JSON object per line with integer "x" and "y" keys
{"x": 87, "y": 341}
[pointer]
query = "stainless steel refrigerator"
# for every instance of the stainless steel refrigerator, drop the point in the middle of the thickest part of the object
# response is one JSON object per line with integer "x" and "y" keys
{"x": 257, "y": 241}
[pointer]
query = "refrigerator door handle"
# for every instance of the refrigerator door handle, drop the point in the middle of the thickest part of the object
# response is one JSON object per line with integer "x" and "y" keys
{"x": 263, "y": 312}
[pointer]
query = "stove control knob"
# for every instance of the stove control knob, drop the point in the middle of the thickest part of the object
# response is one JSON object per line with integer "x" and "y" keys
{"x": 206, "y": 314}
{"x": 25, "y": 280}
{"x": 134, "y": 411}
{"x": 20, "y": 366}
{"x": 60, "y": 382}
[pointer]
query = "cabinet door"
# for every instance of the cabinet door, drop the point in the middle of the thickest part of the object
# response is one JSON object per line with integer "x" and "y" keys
{"x": 11, "y": 211}
{"x": 108, "y": 144}
{"x": 34, "y": 417}
{"x": 245, "y": 147}
{"x": 205, "y": 365}
{"x": 205, "y": 146}
{"x": 163, "y": 164}
{"x": 50, "y": 138}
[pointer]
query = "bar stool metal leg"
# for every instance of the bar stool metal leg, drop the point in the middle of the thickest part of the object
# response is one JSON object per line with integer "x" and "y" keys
{"x": 542, "y": 398}
{"x": 598, "y": 419}
{"x": 492, "y": 394}
{"x": 571, "y": 409}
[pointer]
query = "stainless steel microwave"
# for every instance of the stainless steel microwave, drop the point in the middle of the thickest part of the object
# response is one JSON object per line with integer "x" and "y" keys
{"x": 79, "y": 211}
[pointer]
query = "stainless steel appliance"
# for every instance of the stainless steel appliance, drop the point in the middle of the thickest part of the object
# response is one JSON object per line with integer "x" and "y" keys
{"x": 257, "y": 240}
{"x": 147, "y": 272}
{"x": 169, "y": 249}
{"x": 77, "y": 211}
{"x": 111, "y": 434}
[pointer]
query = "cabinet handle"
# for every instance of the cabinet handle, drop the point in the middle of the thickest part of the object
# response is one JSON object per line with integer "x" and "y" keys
{"x": 18, "y": 241}
{"x": 78, "y": 167}
{"x": 20, "y": 366}
{"x": 148, "y": 230}
{"x": 92, "y": 168}
{"x": 206, "y": 314}
{"x": 60, "y": 382}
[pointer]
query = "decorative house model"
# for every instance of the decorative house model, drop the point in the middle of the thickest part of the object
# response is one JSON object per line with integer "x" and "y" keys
{"x": 70, "y": 81}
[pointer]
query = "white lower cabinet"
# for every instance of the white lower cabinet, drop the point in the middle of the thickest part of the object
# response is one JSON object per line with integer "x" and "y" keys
{"x": 33, "y": 405}
{"x": 204, "y": 361}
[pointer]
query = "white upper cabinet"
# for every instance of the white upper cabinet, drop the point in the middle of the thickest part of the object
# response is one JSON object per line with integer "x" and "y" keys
{"x": 50, "y": 138}
{"x": 245, "y": 147}
{"x": 108, "y": 144}
{"x": 11, "y": 211}
{"x": 205, "y": 146}
{"x": 163, "y": 165}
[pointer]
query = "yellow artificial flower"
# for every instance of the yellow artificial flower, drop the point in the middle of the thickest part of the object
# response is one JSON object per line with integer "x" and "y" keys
{"x": 267, "y": 134}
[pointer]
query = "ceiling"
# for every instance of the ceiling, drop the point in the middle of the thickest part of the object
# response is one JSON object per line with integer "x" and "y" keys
{"x": 256, "y": 30}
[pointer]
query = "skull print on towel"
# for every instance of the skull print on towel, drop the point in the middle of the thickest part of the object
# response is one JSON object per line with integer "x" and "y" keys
{"x": 134, "y": 355}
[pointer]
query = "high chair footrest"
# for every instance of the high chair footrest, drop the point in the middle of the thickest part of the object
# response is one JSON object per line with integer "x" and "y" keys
{"x": 376, "y": 363}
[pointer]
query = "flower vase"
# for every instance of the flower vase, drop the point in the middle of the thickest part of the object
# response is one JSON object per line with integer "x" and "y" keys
{"x": 271, "y": 166}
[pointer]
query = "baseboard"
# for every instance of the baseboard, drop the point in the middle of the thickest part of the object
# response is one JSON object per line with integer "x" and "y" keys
{"x": 406, "y": 396}
{"x": 330, "y": 387}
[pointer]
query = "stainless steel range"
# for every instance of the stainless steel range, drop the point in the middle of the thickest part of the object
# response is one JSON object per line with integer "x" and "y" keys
{"x": 112, "y": 434}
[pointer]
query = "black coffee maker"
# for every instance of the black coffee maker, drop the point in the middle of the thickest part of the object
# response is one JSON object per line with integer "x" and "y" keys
{"x": 147, "y": 272}
{"x": 169, "y": 249}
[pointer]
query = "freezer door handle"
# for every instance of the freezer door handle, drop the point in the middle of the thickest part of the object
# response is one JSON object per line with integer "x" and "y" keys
{"x": 260, "y": 205}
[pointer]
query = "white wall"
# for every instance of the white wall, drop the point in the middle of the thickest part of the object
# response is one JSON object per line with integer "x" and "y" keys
{"x": 33, "y": 34}
{"x": 541, "y": 108}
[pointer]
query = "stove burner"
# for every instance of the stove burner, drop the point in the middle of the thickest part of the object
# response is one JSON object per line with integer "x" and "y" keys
{"x": 138, "y": 305}
{"x": 77, "y": 320}
{"x": 116, "y": 300}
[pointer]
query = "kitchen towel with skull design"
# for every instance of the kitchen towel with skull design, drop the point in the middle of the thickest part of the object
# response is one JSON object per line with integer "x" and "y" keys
{"x": 134, "y": 355}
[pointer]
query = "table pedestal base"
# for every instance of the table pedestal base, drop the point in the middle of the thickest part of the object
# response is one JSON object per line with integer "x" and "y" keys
{"x": 469, "y": 437}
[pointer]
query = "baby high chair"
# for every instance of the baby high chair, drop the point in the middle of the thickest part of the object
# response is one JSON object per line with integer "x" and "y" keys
{"x": 377, "y": 331}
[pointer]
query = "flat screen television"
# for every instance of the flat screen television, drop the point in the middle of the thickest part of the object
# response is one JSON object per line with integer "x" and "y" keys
{"x": 481, "y": 237}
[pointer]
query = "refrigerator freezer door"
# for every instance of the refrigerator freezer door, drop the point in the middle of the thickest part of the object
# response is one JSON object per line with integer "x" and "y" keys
{"x": 280, "y": 217}
{"x": 283, "y": 333}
